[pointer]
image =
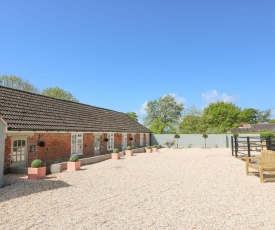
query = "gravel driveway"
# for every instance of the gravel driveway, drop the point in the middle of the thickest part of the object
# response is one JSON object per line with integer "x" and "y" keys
{"x": 171, "y": 189}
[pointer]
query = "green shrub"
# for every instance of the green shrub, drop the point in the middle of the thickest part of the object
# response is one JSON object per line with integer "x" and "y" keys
{"x": 129, "y": 147}
{"x": 116, "y": 150}
{"x": 235, "y": 134}
{"x": 73, "y": 158}
{"x": 266, "y": 133}
{"x": 37, "y": 164}
{"x": 176, "y": 136}
{"x": 148, "y": 147}
{"x": 155, "y": 146}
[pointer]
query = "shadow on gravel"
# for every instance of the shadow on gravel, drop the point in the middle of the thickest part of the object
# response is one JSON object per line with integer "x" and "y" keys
{"x": 18, "y": 186}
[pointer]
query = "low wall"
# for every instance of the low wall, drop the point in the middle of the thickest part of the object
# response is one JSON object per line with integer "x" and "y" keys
{"x": 196, "y": 140}
{"x": 59, "y": 167}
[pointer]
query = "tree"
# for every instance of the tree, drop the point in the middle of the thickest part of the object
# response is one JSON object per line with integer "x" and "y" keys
{"x": 221, "y": 116}
{"x": 205, "y": 136}
{"x": 132, "y": 115}
{"x": 59, "y": 93}
{"x": 177, "y": 136}
{"x": 163, "y": 114}
{"x": 17, "y": 83}
{"x": 253, "y": 116}
{"x": 192, "y": 122}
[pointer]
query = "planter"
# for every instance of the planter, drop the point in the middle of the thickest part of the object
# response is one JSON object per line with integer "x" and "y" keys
{"x": 73, "y": 166}
{"x": 155, "y": 149}
{"x": 129, "y": 153}
{"x": 148, "y": 150}
{"x": 115, "y": 156}
{"x": 36, "y": 173}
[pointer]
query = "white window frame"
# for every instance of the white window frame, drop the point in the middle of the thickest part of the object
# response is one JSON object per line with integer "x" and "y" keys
{"x": 124, "y": 141}
{"x": 141, "y": 139}
{"x": 77, "y": 147}
{"x": 147, "y": 139}
{"x": 111, "y": 141}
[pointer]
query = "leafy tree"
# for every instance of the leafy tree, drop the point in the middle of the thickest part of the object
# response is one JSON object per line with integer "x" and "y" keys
{"x": 248, "y": 115}
{"x": 192, "y": 121}
{"x": 253, "y": 116}
{"x": 163, "y": 114}
{"x": 17, "y": 83}
{"x": 221, "y": 116}
{"x": 59, "y": 93}
{"x": 132, "y": 115}
{"x": 263, "y": 116}
{"x": 271, "y": 121}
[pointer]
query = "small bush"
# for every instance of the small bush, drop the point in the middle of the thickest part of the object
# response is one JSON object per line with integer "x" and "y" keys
{"x": 169, "y": 144}
{"x": 129, "y": 147}
{"x": 73, "y": 159}
{"x": 37, "y": 164}
{"x": 155, "y": 146}
{"x": 176, "y": 136}
{"x": 116, "y": 150}
{"x": 148, "y": 147}
{"x": 266, "y": 133}
{"x": 235, "y": 134}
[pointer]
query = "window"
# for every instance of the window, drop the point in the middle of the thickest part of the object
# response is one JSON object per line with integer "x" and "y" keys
{"x": 77, "y": 143}
{"x": 110, "y": 143}
{"x": 124, "y": 141}
{"x": 147, "y": 139}
{"x": 141, "y": 139}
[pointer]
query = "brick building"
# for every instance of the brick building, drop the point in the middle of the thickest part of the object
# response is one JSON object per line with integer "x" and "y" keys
{"x": 36, "y": 126}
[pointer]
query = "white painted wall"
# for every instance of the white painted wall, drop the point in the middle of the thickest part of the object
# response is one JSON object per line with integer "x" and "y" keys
{"x": 2, "y": 150}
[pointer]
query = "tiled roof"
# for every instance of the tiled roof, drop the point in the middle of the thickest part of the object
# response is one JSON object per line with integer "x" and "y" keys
{"x": 34, "y": 112}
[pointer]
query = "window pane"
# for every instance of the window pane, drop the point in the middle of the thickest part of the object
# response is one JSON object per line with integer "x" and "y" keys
{"x": 23, "y": 143}
{"x": 15, "y": 143}
{"x": 19, "y": 143}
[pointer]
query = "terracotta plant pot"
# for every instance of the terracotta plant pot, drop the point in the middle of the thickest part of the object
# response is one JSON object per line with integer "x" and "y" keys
{"x": 155, "y": 149}
{"x": 36, "y": 173}
{"x": 148, "y": 150}
{"x": 129, "y": 153}
{"x": 73, "y": 166}
{"x": 115, "y": 156}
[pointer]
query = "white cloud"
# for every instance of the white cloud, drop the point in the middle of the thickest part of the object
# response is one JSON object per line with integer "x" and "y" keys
{"x": 142, "y": 112}
{"x": 213, "y": 95}
{"x": 178, "y": 99}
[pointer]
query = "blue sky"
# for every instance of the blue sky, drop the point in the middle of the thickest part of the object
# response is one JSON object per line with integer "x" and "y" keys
{"x": 119, "y": 54}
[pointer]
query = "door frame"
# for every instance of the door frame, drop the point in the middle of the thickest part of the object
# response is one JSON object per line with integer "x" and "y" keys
{"x": 25, "y": 163}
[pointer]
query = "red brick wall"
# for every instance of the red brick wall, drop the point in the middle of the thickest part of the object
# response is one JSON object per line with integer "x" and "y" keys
{"x": 58, "y": 146}
{"x": 7, "y": 154}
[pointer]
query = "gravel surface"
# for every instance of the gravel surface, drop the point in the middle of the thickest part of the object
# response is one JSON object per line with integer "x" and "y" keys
{"x": 171, "y": 189}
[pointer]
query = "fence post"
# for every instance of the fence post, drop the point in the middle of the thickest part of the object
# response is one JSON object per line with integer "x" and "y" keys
{"x": 232, "y": 145}
{"x": 248, "y": 147}
{"x": 236, "y": 146}
{"x": 267, "y": 139}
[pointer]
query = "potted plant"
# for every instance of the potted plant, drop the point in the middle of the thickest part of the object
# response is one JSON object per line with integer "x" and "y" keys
{"x": 115, "y": 154}
{"x": 129, "y": 151}
{"x": 37, "y": 170}
{"x": 155, "y": 148}
{"x": 73, "y": 164}
{"x": 148, "y": 149}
